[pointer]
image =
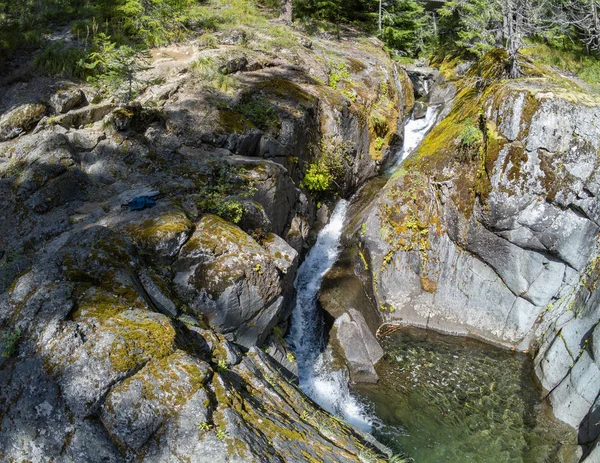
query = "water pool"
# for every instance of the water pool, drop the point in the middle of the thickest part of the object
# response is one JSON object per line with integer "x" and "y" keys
{"x": 449, "y": 399}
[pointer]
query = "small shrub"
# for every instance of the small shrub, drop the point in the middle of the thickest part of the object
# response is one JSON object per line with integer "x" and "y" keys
{"x": 222, "y": 365}
{"x": 378, "y": 144}
{"x": 205, "y": 67}
{"x": 221, "y": 433}
{"x": 217, "y": 195}
{"x": 261, "y": 113}
{"x": 9, "y": 341}
{"x": 318, "y": 178}
{"x": 59, "y": 59}
{"x": 208, "y": 40}
{"x": 338, "y": 72}
{"x": 328, "y": 167}
{"x": 470, "y": 135}
{"x": 205, "y": 426}
{"x": 351, "y": 95}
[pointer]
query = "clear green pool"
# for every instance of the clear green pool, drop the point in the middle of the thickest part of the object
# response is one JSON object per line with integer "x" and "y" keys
{"x": 448, "y": 399}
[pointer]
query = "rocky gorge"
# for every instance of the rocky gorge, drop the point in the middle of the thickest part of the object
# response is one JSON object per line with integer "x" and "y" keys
{"x": 158, "y": 335}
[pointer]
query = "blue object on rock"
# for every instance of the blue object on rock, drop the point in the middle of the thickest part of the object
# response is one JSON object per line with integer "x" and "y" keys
{"x": 141, "y": 202}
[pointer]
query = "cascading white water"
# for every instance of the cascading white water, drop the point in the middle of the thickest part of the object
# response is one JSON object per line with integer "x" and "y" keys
{"x": 318, "y": 379}
{"x": 325, "y": 385}
{"x": 414, "y": 132}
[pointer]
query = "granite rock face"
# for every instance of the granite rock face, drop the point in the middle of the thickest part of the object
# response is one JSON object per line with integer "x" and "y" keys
{"x": 496, "y": 237}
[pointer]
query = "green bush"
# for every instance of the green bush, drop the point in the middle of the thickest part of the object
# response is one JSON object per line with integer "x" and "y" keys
{"x": 261, "y": 113}
{"x": 219, "y": 197}
{"x": 337, "y": 73}
{"x": 470, "y": 135}
{"x": 318, "y": 178}
{"x": 328, "y": 166}
{"x": 8, "y": 342}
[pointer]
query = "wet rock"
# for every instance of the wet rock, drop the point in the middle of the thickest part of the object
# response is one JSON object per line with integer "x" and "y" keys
{"x": 298, "y": 234}
{"x": 419, "y": 110}
{"x": 360, "y": 347}
{"x": 20, "y": 120}
{"x": 65, "y": 100}
{"x": 423, "y": 79}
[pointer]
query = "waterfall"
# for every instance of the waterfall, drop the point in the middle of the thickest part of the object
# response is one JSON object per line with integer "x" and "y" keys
{"x": 325, "y": 385}
{"x": 318, "y": 379}
{"x": 414, "y": 133}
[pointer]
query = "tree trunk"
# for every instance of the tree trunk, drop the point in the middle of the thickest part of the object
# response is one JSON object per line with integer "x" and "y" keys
{"x": 286, "y": 11}
{"x": 596, "y": 21}
{"x": 380, "y": 29}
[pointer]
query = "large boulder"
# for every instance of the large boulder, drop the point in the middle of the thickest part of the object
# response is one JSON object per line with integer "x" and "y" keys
{"x": 360, "y": 348}
{"x": 20, "y": 120}
{"x": 65, "y": 100}
{"x": 229, "y": 278}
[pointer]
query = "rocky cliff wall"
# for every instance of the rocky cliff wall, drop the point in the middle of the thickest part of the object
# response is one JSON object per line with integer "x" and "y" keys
{"x": 491, "y": 230}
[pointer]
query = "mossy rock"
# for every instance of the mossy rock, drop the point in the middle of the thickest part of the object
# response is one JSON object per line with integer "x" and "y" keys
{"x": 21, "y": 120}
{"x": 138, "y": 337}
{"x": 231, "y": 280}
{"x": 120, "y": 346}
{"x": 162, "y": 235}
{"x": 225, "y": 253}
{"x": 139, "y": 405}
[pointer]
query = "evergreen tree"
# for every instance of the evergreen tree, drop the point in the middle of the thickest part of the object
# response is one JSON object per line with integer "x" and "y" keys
{"x": 403, "y": 24}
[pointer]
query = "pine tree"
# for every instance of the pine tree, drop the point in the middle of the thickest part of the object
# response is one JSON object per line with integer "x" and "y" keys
{"x": 403, "y": 22}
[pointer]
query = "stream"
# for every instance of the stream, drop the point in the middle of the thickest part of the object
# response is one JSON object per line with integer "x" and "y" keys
{"x": 326, "y": 385}
{"x": 440, "y": 398}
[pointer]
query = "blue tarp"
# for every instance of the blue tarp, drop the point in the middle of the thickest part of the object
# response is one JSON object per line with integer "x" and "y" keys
{"x": 141, "y": 202}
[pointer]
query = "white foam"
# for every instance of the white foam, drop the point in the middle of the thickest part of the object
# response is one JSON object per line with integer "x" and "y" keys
{"x": 325, "y": 385}
{"x": 414, "y": 133}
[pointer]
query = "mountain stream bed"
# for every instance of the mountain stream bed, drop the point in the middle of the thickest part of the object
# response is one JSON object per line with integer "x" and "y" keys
{"x": 439, "y": 398}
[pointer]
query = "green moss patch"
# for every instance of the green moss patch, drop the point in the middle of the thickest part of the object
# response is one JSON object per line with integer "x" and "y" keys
{"x": 138, "y": 337}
